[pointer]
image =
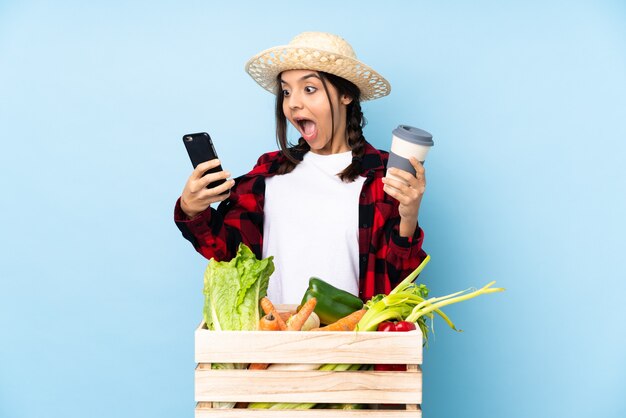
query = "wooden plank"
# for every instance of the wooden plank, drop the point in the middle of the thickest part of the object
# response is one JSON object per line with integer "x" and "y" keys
{"x": 413, "y": 368}
{"x": 310, "y": 413}
{"x": 308, "y": 386}
{"x": 308, "y": 347}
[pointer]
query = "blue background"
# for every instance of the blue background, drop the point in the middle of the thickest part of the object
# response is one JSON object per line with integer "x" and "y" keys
{"x": 100, "y": 295}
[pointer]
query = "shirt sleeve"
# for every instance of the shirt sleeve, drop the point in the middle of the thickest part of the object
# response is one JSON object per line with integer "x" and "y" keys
{"x": 217, "y": 233}
{"x": 404, "y": 254}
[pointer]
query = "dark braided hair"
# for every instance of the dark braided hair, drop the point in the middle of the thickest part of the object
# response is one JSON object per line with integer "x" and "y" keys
{"x": 355, "y": 121}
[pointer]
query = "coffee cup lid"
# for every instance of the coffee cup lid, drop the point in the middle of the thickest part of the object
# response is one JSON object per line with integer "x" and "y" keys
{"x": 414, "y": 135}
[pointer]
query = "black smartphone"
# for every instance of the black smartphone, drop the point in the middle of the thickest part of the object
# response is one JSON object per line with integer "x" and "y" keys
{"x": 200, "y": 149}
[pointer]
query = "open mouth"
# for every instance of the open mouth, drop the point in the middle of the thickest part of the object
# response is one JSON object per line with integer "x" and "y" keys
{"x": 308, "y": 128}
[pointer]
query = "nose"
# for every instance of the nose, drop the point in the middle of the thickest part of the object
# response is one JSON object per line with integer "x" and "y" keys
{"x": 295, "y": 100}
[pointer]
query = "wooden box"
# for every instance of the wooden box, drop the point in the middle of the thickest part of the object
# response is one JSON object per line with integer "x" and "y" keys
{"x": 388, "y": 394}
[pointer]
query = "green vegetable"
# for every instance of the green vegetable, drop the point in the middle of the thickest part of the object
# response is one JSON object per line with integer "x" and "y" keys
{"x": 232, "y": 291}
{"x": 346, "y": 406}
{"x": 407, "y": 302}
{"x": 398, "y": 304}
{"x": 332, "y": 303}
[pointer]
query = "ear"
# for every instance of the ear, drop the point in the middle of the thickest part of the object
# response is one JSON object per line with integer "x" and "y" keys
{"x": 345, "y": 99}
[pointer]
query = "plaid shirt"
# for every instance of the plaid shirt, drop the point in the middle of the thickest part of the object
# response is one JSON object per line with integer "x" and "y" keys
{"x": 385, "y": 258}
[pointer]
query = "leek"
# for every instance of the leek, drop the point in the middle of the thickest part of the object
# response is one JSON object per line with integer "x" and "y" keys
{"x": 409, "y": 301}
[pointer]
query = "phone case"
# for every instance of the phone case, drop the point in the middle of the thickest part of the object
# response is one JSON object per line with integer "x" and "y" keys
{"x": 200, "y": 149}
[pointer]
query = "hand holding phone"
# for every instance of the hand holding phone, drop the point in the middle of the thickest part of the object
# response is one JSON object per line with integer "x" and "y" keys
{"x": 200, "y": 149}
{"x": 207, "y": 184}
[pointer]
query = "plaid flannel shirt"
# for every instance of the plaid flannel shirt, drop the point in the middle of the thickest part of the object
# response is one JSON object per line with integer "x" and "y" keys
{"x": 385, "y": 257}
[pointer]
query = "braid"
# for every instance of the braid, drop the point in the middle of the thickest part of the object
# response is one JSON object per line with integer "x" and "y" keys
{"x": 354, "y": 132}
{"x": 293, "y": 156}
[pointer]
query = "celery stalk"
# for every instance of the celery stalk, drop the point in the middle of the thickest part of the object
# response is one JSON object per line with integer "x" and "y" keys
{"x": 408, "y": 306}
{"x": 448, "y": 301}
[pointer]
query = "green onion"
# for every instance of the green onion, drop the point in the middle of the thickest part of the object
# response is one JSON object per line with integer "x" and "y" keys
{"x": 408, "y": 302}
{"x": 433, "y": 304}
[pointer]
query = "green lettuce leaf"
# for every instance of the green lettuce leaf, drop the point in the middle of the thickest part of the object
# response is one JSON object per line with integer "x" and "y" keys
{"x": 232, "y": 290}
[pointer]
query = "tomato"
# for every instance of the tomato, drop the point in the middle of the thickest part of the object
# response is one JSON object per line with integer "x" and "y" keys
{"x": 404, "y": 326}
{"x": 387, "y": 327}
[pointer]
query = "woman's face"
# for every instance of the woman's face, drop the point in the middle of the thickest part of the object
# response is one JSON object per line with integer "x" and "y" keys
{"x": 306, "y": 106}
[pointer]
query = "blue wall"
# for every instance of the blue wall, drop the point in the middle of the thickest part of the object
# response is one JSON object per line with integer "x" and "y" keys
{"x": 99, "y": 293}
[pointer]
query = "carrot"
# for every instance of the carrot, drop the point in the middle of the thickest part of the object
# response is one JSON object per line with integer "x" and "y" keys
{"x": 296, "y": 321}
{"x": 347, "y": 323}
{"x": 268, "y": 307}
{"x": 285, "y": 315}
{"x": 258, "y": 366}
{"x": 268, "y": 323}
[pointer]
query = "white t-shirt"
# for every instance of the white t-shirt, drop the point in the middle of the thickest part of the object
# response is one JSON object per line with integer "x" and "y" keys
{"x": 311, "y": 227}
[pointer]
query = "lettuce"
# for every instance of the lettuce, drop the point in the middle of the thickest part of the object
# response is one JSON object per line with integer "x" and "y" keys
{"x": 232, "y": 290}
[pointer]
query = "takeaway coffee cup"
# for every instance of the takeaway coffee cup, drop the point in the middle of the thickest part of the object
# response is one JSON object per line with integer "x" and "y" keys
{"x": 407, "y": 142}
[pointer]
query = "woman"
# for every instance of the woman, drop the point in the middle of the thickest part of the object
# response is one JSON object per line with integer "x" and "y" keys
{"x": 322, "y": 207}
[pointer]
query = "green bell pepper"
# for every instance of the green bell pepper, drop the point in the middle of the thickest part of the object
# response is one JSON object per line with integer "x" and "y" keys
{"x": 332, "y": 303}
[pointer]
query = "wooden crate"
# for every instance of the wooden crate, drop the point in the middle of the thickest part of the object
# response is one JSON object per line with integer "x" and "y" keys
{"x": 388, "y": 394}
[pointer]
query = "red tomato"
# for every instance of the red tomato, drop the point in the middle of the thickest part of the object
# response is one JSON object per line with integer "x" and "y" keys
{"x": 404, "y": 326}
{"x": 393, "y": 327}
{"x": 387, "y": 327}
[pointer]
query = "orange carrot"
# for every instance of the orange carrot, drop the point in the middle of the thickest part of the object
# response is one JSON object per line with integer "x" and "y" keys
{"x": 285, "y": 315}
{"x": 296, "y": 322}
{"x": 268, "y": 307}
{"x": 258, "y": 366}
{"x": 347, "y": 323}
{"x": 268, "y": 323}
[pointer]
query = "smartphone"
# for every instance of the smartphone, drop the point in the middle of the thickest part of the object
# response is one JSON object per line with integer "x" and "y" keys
{"x": 200, "y": 149}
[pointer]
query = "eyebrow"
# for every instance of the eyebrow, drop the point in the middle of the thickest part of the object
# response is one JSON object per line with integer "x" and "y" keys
{"x": 311, "y": 75}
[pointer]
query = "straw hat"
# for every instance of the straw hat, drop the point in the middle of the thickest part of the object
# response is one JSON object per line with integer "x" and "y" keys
{"x": 317, "y": 51}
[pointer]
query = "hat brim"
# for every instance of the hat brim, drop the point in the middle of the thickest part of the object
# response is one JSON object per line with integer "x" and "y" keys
{"x": 266, "y": 65}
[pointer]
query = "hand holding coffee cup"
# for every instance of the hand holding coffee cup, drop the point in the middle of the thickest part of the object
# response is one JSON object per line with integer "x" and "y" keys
{"x": 406, "y": 142}
{"x": 405, "y": 179}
